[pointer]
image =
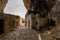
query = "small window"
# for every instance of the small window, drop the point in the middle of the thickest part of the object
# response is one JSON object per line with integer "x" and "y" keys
{"x": 29, "y": 23}
{"x": 36, "y": 23}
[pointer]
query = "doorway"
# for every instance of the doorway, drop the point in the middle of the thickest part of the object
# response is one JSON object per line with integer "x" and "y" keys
{"x": 1, "y": 26}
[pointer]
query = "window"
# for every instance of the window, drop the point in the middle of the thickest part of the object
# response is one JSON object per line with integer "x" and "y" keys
{"x": 29, "y": 23}
{"x": 36, "y": 23}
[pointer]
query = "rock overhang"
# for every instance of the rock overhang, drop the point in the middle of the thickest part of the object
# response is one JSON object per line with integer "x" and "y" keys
{"x": 42, "y": 4}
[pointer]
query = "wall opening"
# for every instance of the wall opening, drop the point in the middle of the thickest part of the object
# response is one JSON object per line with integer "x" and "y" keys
{"x": 29, "y": 23}
{"x": 1, "y": 26}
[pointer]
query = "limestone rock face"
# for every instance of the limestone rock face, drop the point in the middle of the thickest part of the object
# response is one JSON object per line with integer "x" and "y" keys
{"x": 39, "y": 4}
{"x": 2, "y": 4}
{"x": 27, "y": 4}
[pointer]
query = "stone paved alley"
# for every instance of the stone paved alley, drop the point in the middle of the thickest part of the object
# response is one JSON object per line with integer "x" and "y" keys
{"x": 21, "y": 34}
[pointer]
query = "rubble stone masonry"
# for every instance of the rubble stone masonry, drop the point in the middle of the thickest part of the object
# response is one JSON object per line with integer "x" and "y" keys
{"x": 10, "y": 22}
{"x": 38, "y": 17}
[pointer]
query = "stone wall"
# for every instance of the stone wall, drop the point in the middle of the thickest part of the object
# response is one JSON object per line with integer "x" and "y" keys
{"x": 11, "y": 22}
{"x": 38, "y": 17}
{"x": 38, "y": 11}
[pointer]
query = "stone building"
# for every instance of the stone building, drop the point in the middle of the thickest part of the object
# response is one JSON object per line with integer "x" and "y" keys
{"x": 53, "y": 34}
{"x": 38, "y": 17}
{"x": 35, "y": 21}
{"x": 8, "y": 22}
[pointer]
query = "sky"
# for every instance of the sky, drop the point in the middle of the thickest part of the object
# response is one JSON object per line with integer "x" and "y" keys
{"x": 15, "y": 7}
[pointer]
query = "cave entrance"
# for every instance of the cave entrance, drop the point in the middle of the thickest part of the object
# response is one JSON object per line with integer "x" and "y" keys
{"x": 1, "y": 26}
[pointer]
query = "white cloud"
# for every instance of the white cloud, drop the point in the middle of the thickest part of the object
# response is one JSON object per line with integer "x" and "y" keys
{"x": 15, "y": 7}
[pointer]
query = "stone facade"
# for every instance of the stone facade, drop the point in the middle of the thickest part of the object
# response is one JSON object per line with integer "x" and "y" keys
{"x": 8, "y": 22}
{"x": 38, "y": 18}
{"x": 34, "y": 21}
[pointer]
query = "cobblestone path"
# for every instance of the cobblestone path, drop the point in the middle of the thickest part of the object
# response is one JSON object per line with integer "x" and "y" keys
{"x": 21, "y": 34}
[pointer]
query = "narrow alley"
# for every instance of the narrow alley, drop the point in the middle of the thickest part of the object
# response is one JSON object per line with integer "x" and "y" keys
{"x": 21, "y": 34}
{"x": 30, "y": 20}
